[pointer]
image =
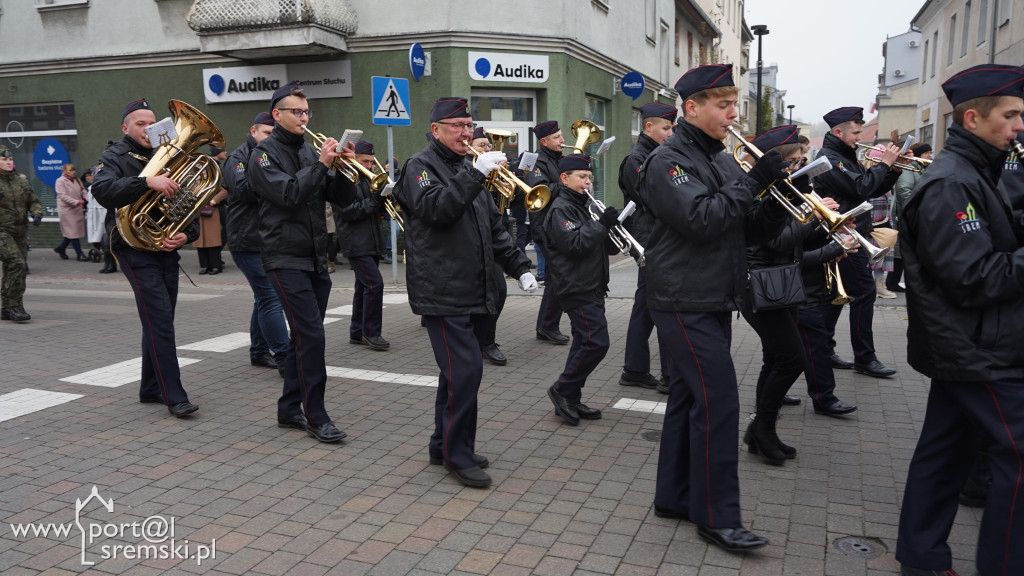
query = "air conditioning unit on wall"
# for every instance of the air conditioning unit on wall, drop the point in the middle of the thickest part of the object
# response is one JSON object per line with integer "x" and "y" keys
{"x": 913, "y": 43}
{"x": 897, "y": 72}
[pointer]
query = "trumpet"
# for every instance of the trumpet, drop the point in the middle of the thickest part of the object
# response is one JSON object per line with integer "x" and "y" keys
{"x": 348, "y": 167}
{"x": 833, "y": 222}
{"x": 621, "y": 237}
{"x": 903, "y": 162}
{"x": 389, "y": 205}
{"x": 506, "y": 183}
{"x": 832, "y": 277}
{"x": 586, "y": 133}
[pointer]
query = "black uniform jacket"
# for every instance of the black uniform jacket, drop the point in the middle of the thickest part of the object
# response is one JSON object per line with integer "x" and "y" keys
{"x": 117, "y": 184}
{"x": 358, "y": 218}
{"x": 849, "y": 183}
{"x": 703, "y": 212}
{"x": 639, "y": 224}
{"x": 578, "y": 248}
{"x": 965, "y": 267}
{"x": 243, "y": 206}
{"x": 293, "y": 186}
{"x": 545, "y": 172}
{"x": 1012, "y": 182}
{"x": 453, "y": 236}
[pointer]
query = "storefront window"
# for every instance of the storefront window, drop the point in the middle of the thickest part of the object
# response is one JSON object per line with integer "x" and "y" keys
{"x": 42, "y": 138}
{"x": 594, "y": 110}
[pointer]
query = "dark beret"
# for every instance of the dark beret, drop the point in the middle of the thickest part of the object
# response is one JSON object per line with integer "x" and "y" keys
{"x": 5, "y": 152}
{"x": 282, "y": 93}
{"x": 134, "y": 105}
{"x": 777, "y": 136}
{"x": 702, "y": 78}
{"x": 574, "y": 162}
{"x": 659, "y": 110}
{"x": 364, "y": 147}
{"x": 479, "y": 133}
{"x": 214, "y": 150}
{"x": 844, "y": 114}
{"x": 922, "y": 148}
{"x": 263, "y": 118}
{"x": 449, "y": 107}
{"x": 546, "y": 128}
{"x": 984, "y": 80}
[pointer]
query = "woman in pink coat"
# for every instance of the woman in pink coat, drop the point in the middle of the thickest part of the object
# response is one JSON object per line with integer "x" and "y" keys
{"x": 70, "y": 208}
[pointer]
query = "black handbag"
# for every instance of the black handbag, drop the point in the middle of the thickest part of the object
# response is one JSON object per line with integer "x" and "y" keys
{"x": 776, "y": 287}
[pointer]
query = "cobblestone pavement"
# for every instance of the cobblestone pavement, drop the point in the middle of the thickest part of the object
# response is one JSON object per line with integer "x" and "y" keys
{"x": 566, "y": 500}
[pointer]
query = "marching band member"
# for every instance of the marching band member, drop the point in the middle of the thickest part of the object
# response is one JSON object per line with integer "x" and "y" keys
{"x": 704, "y": 212}
{"x": 454, "y": 241}
{"x": 546, "y": 172}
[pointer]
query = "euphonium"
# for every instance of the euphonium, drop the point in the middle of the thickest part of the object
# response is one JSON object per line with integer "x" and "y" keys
{"x": 348, "y": 167}
{"x": 153, "y": 218}
{"x": 505, "y": 182}
{"x": 586, "y": 133}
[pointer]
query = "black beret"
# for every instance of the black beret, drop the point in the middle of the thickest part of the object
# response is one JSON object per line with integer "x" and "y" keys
{"x": 263, "y": 118}
{"x": 777, "y": 137}
{"x": 214, "y": 150}
{"x": 984, "y": 80}
{"x": 659, "y": 110}
{"x": 922, "y": 148}
{"x": 546, "y": 128}
{"x": 702, "y": 78}
{"x": 479, "y": 133}
{"x": 282, "y": 93}
{"x": 449, "y": 107}
{"x": 134, "y": 105}
{"x": 844, "y": 114}
{"x": 574, "y": 162}
{"x": 364, "y": 147}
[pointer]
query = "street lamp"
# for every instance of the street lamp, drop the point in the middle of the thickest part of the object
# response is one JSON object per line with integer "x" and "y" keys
{"x": 759, "y": 30}
{"x": 791, "y": 106}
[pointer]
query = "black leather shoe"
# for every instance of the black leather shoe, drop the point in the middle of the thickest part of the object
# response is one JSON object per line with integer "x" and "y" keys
{"x": 265, "y": 360}
{"x": 562, "y": 407}
{"x": 325, "y": 432}
{"x": 840, "y": 364}
{"x": 586, "y": 412}
{"x": 481, "y": 461}
{"x": 493, "y": 355}
{"x": 908, "y": 571}
{"x": 874, "y": 368}
{"x": 297, "y": 421}
{"x": 732, "y": 539}
{"x": 15, "y": 314}
{"x": 837, "y": 408}
{"x": 472, "y": 476}
{"x": 663, "y": 384}
{"x": 216, "y": 270}
{"x": 788, "y": 400}
{"x": 356, "y": 341}
{"x": 376, "y": 342}
{"x": 556, "y": 336}
{"x": 83, "y": 258}
{"x": 670, "y": 514}
{"x": 641, "y": 379}
{"x": 182, "y": 409}
{"x": 204, "y": 271}
{"x": 60, "y": 251}
{"x": 151, "y": 400}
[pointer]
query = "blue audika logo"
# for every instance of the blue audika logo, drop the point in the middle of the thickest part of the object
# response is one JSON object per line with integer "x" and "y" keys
{"x": 216, "y": 84}
{"x": 483, "y": 67}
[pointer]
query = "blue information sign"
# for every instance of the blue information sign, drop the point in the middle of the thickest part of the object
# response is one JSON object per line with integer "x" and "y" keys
{"x": 48, "y": 159}
{"x": 633, "y": 85}
{"x": 417, "y": 61}
{"x": 390, "y": 101}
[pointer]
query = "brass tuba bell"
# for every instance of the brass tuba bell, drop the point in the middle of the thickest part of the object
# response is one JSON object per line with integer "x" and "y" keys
{"x": 586, "y": 133}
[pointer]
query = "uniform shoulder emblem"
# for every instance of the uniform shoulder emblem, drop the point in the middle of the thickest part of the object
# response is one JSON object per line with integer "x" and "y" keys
{"x": 968, "y": 220}
{"x": 678, "y": 175}
{"x": 568, "y": 225}
{"x": 423, "y": 178}
{"x": 239, "y": 167}
{"x": 263, "y": 160}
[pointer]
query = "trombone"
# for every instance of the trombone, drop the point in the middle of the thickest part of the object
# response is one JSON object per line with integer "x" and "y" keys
{"x": 350, "y": 168}
{"x": 389, "y": 204}
{"x": 621, "y": 237}
{"x": 833, "y": 222}
{"x": 505, "y": 182}
{"x": 586, "y": 133}
{"x": 903, "y": 162}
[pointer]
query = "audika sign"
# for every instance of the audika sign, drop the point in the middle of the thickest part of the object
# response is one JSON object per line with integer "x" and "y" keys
{"x": 503, "y": 67}
{"x": 249, "y": 83}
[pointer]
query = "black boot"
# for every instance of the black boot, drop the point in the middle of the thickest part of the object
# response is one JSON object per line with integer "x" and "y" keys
{"x": 786, "y": 449}
{"x": 762, "y": 439}
{"x": 109, "y": 264}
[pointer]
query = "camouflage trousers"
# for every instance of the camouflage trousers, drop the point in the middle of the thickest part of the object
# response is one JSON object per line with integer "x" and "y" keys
{"x": 13, "y": 253}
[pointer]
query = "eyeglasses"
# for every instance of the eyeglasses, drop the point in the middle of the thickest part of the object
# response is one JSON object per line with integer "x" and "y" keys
{"x": 587, "y": 177}
{"x": 460, "y": 125}
{"x": 299, "y": 112}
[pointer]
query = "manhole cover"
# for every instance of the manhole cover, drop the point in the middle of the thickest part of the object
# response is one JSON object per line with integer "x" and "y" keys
{"x": 860, "y": 547}
{"x": 652, "y": 435}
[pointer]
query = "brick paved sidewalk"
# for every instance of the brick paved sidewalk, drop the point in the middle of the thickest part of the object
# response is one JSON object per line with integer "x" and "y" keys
{"x": 565, "y": 500}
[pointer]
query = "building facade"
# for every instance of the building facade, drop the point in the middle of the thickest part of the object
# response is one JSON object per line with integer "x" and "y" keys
{"x": 68, "y": 67}
{"x": 898, "y": 85}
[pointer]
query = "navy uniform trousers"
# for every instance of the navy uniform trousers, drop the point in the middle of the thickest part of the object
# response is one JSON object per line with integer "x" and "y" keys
{"x": 697, "y": 461}
{"x": 457, "y": 353}
{"x": 860, "y": 284}
{"x": 589, "y": 346}
{"x": 638, "y": 334}
{"x": 154, "y": 279}
{"x": 367, "y": 297}
{"x": 814, "y": 337}
{"x": 550, "y": 313}
{"x": 303, "y": 296}
{"x": 939, "y": 468}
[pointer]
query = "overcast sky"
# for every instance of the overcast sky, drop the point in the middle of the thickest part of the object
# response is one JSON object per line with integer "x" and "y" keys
{"x": 829, "y": 52}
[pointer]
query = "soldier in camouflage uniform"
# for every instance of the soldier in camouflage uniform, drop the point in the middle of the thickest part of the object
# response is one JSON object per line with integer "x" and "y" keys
{"x": 16, "y": 200}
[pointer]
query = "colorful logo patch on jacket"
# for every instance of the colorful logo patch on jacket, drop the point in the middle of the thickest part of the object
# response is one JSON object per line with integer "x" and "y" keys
{"x": 423, "y": 179}
{"x": 239, "y": 167}
{"x": 263, "y": 160}
{"x": 968, "y": 220}
{"x": 568, "y": 225}
{"x": 842, "y": 167}
{"x": 678, "y": 175}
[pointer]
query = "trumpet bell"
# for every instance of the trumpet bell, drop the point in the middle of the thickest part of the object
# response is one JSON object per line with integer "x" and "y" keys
{"x": 537, "y": 198}
{"x": 499, "y": 138}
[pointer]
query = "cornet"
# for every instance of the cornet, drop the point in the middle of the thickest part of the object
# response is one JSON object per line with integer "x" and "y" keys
{"x": 621, "y": 237}
{"x": 903, "y": 162}
{"x": 389, "y": 205}
{"x": 348, "y": 167}
{"x": 505, "y": 182}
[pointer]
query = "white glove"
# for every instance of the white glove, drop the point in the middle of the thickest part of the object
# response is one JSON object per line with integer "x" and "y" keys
{"x": 527, "y": 283}
{"x": 489, "y": 162}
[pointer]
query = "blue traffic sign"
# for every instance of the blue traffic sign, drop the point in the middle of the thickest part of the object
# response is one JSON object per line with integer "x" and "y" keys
{"x": 48, "y": 159}
{"x": 390, "y": 101}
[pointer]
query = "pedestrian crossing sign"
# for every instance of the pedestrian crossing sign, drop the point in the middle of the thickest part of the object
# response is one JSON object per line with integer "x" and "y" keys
{"x": 391, "y": 101}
